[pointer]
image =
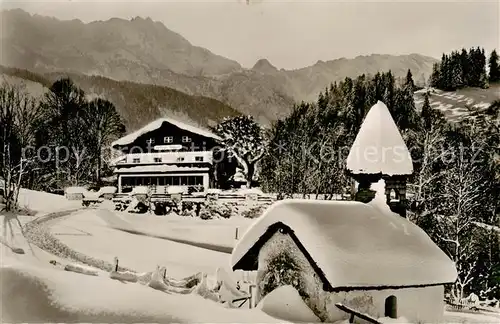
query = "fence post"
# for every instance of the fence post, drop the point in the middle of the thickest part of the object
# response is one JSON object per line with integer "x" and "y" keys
{"x": 253, "y": 295}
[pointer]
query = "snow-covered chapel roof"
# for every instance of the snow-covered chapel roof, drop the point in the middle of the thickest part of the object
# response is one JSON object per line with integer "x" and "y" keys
{"x": 130, "y": 138}
{"x": 351, "y": 244}
{"x": 379, "y": 147}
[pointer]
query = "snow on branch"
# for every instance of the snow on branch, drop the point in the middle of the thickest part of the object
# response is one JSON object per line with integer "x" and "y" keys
{"x": 488, "y": 227}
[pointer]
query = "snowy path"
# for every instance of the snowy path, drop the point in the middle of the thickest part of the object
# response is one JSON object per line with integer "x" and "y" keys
{"x": 138, "y": 252}
{"x": 219, "y": 232}
{"x": 37, "y": 232}
{"x": 119, "y": 224}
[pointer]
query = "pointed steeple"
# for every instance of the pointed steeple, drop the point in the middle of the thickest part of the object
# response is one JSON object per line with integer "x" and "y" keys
{"x": 379, "y": 152}
{"x": 379, "y": 147}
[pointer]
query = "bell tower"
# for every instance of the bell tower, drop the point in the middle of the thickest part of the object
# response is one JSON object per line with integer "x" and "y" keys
{"x": 379, "y": 152}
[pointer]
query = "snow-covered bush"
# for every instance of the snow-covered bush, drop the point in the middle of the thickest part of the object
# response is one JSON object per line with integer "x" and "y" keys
{"x": 253, "y": 212}
{"x": 215, "y": 209}
{"x": 188, "y": 208}
{"x": 205, "y": 213}
{"x": 281, "y": 270}
{"x": 223, "y": 210}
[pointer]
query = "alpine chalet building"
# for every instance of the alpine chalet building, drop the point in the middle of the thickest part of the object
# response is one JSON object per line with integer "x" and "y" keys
{"x": 166, "y": 153}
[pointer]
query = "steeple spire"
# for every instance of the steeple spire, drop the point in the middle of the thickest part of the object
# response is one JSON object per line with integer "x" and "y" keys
{"x": 379, "y": 152}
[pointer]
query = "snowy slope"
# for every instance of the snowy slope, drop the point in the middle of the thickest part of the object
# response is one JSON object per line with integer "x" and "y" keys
{"x": 458, "y": 105}
{"x": 34, "y": 294}
{"x": 44, "y": 202}
{"x": 217, "y": 233}
{"x": 87, "y": 233}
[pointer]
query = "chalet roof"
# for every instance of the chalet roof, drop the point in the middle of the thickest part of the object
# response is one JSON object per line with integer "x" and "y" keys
{"x": 379, "y": 147}
{"x": 130, "y": 138}
{"x": 351, "y": 244}
{"x": 159, "y": 168}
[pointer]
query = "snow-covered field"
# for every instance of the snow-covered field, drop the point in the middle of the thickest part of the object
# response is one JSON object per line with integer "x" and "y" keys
{"x": 33, "y": 290}
{"x": 90, "y": 234}
{"x": 456, "y": 105}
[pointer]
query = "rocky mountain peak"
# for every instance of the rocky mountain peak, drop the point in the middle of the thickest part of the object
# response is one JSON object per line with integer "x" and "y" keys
{"x": 264, "y": 66}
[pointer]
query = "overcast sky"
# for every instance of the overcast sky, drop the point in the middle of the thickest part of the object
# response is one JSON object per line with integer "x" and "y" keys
{"x": 293, "y": 34}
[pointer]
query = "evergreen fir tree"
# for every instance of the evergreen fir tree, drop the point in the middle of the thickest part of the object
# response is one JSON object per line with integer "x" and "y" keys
{"x": 473, "y": 79}
{"x": 404, "y": 112}
{"x": 464, "y": 64}
{"x": 389, "y": 84}
{"x": 322, "y": 100}
{"x": 435, "y": 76}
{"x": 477, "y": 61}
{"x": 461, "y": 69}
{"x": 483, "y": 76}
{"x": 371, "y": 93}
{"x": 494, "y": 67}
{"x": 456, "y": 73}
{"x": 445, "y": 80}
{"x": 426, "y": 112}
{"x": 379, "y": 86}
{"x": 359, "y": 99}
{"x": 409, "y": 80}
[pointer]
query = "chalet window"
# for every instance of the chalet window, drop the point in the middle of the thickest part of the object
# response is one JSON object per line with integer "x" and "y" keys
{"x": 186, "y": 139}
{"x": 157, "y": 159}
{"x": 168, "y": 139}
{"x": 180, "y": 159}
{"x": 198, "y": 158}
{"x": 150, "y": 141}
{"x": 136, "y": 160}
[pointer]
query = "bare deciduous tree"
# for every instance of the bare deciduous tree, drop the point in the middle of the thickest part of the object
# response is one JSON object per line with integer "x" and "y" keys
{"x": 104, "y": 125}
{"x": 19, "y": 117}
{"x": 243, "y": 137}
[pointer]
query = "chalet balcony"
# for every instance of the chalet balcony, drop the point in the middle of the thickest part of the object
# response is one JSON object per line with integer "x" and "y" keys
{"x": 167, "y": 158}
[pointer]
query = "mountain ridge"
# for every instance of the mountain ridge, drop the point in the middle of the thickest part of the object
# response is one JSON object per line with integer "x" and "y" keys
{"x": 147, "y": 52}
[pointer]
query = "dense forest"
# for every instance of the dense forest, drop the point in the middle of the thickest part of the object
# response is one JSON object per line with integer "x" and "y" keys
{"x": 465, "y": 69}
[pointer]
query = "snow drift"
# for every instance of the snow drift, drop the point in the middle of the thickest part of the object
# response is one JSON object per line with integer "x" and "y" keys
{"x": 33, "y": 294}
{"x": 285, "y": 303}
